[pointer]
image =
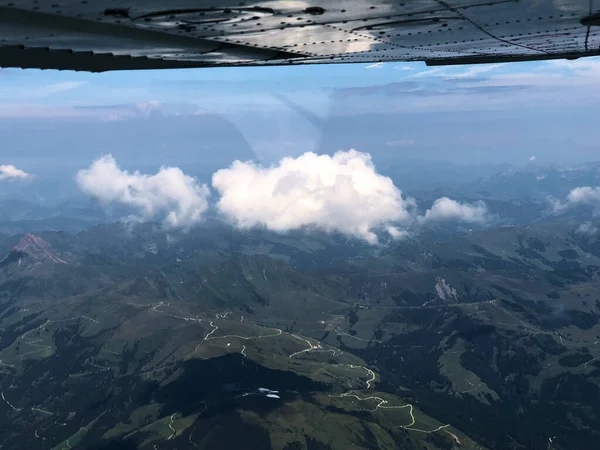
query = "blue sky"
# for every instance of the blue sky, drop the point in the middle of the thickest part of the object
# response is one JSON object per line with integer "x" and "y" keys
{"x": 202, "y": 87}
{"x": 500, "y": 113}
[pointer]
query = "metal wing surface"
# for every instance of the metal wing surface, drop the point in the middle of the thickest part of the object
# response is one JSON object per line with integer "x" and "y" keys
{"x": 102, "y": 35}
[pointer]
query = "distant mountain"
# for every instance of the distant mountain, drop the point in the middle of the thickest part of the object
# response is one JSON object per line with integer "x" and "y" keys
{"x": 535, "y": 181}
{"x": 518, "y": 196}
{"x": 21, "y": 213}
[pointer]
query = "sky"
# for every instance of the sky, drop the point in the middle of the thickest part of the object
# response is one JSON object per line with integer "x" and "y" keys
{"x": 291, "y": 147}
{"x": 533, "y": 85}
{"x": 478, "y": 114}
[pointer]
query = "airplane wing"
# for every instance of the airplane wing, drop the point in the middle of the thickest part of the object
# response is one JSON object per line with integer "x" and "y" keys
{"x": 102, "y": 35}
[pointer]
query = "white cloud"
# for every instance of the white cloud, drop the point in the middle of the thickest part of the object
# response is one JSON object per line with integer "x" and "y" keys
{"x": 342, "y": 193}
{"x": 375, "y": 66}
{"x": 584, "y": 195}
{"x": 454, "y": 72}
{"x": 59, "y": 87}
{"x": 569, "y": 74}
{"x": 556, "y": 206}
{"x": 128, "y": 111}
{"x": 404, "y": 68}
{"x": 400, "y": 143}
{"x": 473, "y": 71}
{"x": 583, "y": 70}
{"x": 169, "y": 195}
{"x": 444, "y": 209}
{"x": 147, "y": 108}
{"x": 532, "y": 158}
{"x": 10, "y": 172}
{"x": 397, "y": 233}
{"x": 587, "y": 228}
{"x": 437, "y": 71}
{"x": 30, "y": 92}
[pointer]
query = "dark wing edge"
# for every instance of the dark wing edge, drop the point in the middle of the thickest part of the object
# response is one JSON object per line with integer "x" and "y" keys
{"x": 87, "y": 61}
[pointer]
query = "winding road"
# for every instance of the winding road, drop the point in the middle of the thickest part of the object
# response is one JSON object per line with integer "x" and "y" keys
{"x": 382, "y": 404}
{"x": 171, "y": 426}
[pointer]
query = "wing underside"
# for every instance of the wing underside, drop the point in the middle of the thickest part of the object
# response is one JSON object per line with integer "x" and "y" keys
{"x": 101, "y": 35}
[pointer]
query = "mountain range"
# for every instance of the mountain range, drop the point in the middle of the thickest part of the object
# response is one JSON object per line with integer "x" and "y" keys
{"x": 114, "y": 339}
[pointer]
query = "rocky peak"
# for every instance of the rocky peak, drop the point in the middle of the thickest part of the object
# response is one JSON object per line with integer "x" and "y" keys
{"x": 35, "y": 249}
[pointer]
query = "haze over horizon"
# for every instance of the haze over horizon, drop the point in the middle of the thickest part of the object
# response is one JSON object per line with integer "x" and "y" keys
{"x": 483, "y": 114}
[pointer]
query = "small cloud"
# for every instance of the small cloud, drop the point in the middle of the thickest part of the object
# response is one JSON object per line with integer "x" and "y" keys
{"x": 428, "y": 73}
{"x": 458, "y": 73}
{"x": 474, "y": 71}
{"x": 59, "y": 87}
{"x": 147, "y": 108}
{"x": 169, "y": 195}
{"x": 397, "y": 233}
{"x": 10, "y": 172}
{"x": 532, "y": 158}
{"x": 375, "y": 66}
{"x": 556, "y": 206}
{"x": 587, "y": 229}
{"x": 404, "y": 68}
{"x": 342, "y": 193}
{"x": 400, "y": 143}
{"x": 445, "y": 209}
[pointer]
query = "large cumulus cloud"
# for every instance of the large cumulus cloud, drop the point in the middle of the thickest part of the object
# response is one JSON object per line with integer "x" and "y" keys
{"x": 341, "y": 193}
{"x": 169, "y": 195}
